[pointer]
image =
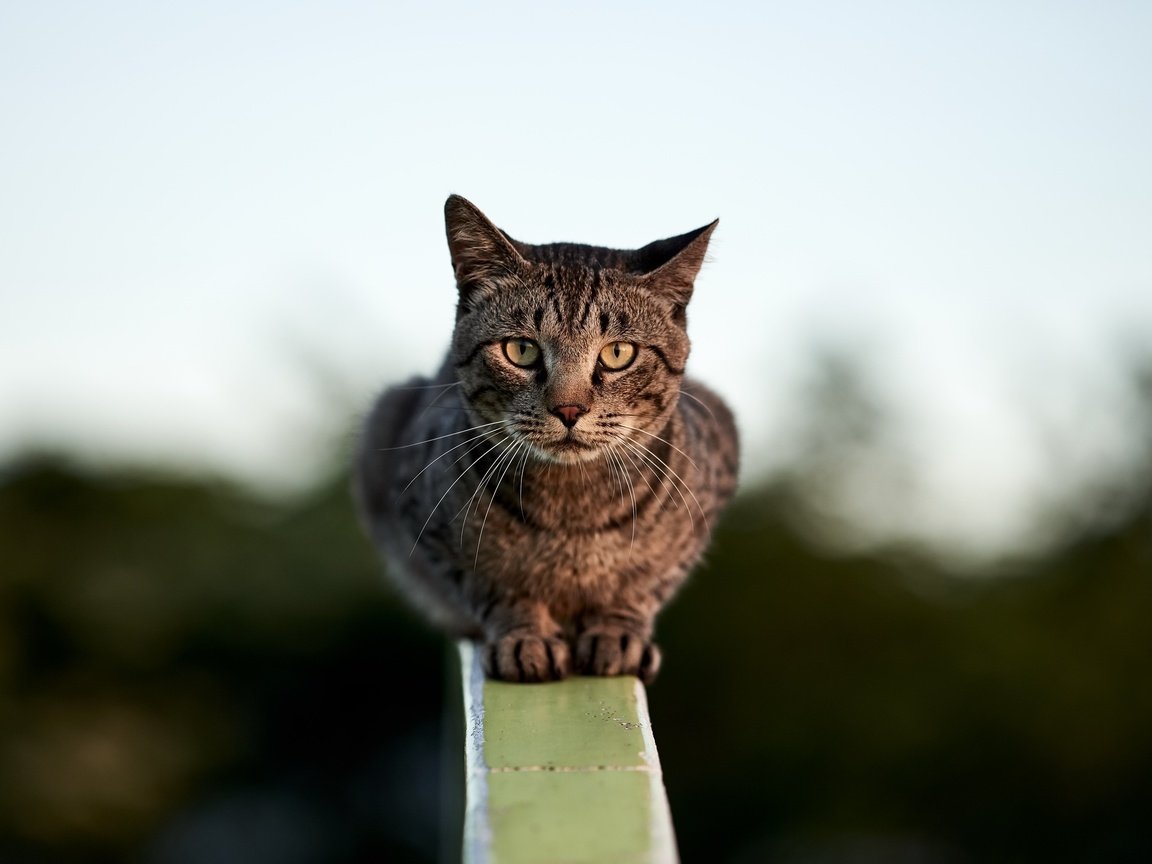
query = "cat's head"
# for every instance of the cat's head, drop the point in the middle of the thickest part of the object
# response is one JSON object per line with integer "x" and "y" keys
{"x": 572, "y": 348}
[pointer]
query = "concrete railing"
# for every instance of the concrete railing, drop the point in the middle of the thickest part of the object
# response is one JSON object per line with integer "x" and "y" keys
{"x": 564, "y": 772}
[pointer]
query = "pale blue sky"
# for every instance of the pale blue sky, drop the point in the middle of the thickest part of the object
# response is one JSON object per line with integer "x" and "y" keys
{"x": 188, "y": 192}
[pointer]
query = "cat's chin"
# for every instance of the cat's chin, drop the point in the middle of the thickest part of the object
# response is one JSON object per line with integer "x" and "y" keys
{"x": 567, "y": 452}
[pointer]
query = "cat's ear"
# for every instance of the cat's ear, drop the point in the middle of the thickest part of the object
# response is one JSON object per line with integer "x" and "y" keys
{"x": 480, "y": 251}
{"x": 669, "y": 267}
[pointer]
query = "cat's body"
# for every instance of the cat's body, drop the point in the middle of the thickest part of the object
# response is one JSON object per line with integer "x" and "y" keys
{"x": 554, "y": 484}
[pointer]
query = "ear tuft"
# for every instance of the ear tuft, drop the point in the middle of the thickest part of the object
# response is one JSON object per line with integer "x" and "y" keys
{"x": 480, "y": 251}
{"x": 670, "y": 266}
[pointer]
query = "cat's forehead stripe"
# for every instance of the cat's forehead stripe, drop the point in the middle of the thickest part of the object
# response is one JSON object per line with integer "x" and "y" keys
{"x": 580, "y": 297}
{"x": 592, "y": 291}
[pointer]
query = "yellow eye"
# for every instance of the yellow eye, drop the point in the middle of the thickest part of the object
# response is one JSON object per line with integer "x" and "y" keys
{"x": 522, "y": 352}
{"x": 618, "y": 355}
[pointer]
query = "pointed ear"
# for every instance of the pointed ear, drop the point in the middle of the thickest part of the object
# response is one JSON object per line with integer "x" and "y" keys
{"x": 670, "y": 266}
{"x": 480, "y": 250}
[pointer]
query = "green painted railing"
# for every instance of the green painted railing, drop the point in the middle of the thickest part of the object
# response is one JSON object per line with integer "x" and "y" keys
{"x": 564, "y": 772}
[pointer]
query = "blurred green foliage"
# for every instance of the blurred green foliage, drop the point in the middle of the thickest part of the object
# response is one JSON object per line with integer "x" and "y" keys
{"x": 188, "y": 674}
{"x": 872, "y": 708}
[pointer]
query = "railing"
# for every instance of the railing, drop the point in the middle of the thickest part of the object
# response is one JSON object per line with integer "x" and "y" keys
{"x": 564, "y": 772}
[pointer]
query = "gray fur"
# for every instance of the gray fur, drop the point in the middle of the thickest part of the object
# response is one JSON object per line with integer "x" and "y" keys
{"x": 556, "y": 547}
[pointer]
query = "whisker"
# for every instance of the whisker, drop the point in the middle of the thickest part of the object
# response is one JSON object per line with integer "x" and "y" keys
{"x": 663, "y": 441}
{"x": 461, "y": 457}
{"x": 476, "y": 492}
{"x": 462, "y": 475}
{"x": 638, "y": 468}
{"x": 631, "y": 494}
{"x": 492, "y": 500}
{"x": 669, "y": 483}
{"x": 614, "y": 467}
{"x": 463, "y": 443}
{"x": 687, "y": 488}
{"x": 700, "y": 402}
{"x": 615, "y": 474}
{"x": 523, "y": 467}
{"x": 658, "y": 471}
{"x": 442, "y": 437}
{"x": 444, "y": 389}
{"x": 683, "y": 484}
{"x": 427, "y": 386}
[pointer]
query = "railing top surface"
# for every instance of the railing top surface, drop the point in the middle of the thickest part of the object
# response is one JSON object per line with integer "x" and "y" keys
{"x": 562, "y": 772}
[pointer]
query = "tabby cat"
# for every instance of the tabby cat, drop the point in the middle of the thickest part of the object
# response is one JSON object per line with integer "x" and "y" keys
{"x": 550, "y": 489}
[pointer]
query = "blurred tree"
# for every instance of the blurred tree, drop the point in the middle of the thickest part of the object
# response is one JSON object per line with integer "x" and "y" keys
{"x": 192, "y": 675}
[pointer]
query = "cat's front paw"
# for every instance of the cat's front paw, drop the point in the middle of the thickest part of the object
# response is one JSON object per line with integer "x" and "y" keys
{"x": 617, "y": 652}
{"x": 529, "y": 659}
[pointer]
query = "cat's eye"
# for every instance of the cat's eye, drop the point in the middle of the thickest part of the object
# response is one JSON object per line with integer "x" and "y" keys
{"x": 617, "y": 355}
{"x": 522, "y": 352}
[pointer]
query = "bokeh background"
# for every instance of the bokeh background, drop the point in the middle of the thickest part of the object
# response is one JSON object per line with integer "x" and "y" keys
{"x": 922, "y": 634}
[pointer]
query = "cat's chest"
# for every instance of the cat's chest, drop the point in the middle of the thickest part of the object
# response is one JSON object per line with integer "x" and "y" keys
{"x": 568, "y": 559}
{"x": 569, "y": 501}
{"x": 572, "y": 530}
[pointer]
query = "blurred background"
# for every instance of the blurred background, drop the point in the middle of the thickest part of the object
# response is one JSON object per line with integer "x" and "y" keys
{"x": 922, "y": 633}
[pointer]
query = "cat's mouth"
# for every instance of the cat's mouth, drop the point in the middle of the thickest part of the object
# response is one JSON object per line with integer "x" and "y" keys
{"x": 570, "y": 444}
{"x": 567, "y": 449}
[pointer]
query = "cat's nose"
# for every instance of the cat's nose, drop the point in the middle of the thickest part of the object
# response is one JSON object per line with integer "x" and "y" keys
{"x": 569, "y": 414}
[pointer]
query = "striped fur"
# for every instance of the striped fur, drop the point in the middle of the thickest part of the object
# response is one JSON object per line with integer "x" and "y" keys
{"x": 554, "y": 546}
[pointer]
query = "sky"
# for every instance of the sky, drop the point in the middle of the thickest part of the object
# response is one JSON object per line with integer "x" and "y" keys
{"x": 216, "y": 218}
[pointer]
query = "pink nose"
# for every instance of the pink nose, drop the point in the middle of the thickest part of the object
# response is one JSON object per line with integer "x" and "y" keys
{"x": 569, "y": 414}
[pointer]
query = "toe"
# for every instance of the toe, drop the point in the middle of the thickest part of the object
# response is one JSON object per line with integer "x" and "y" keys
{"x": 528, "y": 659}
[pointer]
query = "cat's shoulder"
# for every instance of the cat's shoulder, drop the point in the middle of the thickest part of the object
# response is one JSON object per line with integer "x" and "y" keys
{"x": 395, "y": 403}
{"x": 699, "y": 401}
{"x": 711, "y": 435}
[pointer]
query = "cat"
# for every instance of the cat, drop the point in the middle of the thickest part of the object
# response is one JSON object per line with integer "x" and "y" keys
{"x": 551, "y": 488}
